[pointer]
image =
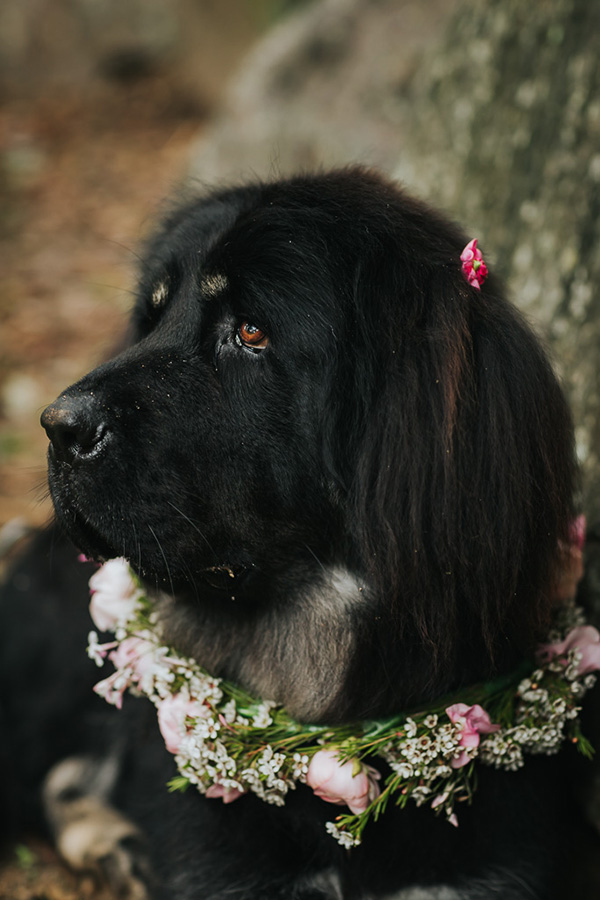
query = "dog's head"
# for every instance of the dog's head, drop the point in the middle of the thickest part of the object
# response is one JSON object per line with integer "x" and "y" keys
{"x": 312, "y": 386}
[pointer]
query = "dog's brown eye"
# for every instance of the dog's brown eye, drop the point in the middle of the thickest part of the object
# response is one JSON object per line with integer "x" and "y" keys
{"x": 251, "y": 336}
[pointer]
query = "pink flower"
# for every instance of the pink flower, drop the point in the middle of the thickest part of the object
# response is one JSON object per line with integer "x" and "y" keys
{"x": 585, "y": 639}
{"x": 172, "y": 713}
{"x": 136, "y": 654}
{"x": 114, "y": 594}
{"x": 569, "y": 573}
{"x": 569, "y": 570}
{"x": 227, "y": 794}
{"x": 577, "y": 532}
{"x": 340, "y": 783}
{"x": 473, "y": 266}
{"x": 473, "y": 721}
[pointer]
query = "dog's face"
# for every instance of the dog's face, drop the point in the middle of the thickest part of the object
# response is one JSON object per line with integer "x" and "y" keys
{"x": 311, "y": 386}
{"x": 202, "y": 444}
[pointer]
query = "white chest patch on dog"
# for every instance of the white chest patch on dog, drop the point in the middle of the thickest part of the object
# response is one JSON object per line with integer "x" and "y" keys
{"x": 301, "y": 657}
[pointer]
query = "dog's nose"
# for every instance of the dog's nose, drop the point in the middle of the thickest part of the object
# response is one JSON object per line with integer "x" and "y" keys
{"x": 74, "y": 426}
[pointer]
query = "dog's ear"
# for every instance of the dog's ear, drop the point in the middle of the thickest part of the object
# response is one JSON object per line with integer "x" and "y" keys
{"x": 464, "y": 469}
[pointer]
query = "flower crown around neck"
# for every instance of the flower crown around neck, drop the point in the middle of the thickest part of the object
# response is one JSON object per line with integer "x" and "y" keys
{"x": 228, "y": 743}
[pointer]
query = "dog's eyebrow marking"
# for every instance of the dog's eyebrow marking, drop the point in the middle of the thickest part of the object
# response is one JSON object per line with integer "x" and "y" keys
{"x": 213, "y": 285}
{"x": 160, "y": 294}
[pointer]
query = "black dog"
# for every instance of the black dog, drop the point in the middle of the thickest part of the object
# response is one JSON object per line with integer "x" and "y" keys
{"x": 353, "y": 471}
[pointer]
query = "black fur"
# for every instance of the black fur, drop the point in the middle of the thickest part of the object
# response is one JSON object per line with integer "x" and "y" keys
{"x": 388, "y": 481}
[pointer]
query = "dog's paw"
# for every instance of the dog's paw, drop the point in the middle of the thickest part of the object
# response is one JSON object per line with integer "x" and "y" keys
{"x": 90, "y": 834}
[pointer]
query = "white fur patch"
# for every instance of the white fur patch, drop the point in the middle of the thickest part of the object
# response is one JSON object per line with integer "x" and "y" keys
{"x": 301, "y": 659}
{"x": 343, "y": 590}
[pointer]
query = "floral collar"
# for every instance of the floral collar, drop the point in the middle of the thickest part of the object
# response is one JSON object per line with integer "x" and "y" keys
{"x": 228, "y": 743}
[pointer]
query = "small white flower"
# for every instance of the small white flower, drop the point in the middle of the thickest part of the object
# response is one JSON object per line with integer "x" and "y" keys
{"x": 343, "y": 838}
{"x": 262, "y": 718}
{"x": 410, "y": 727}
{"x": 404, "y": 770}
{"x": 229, "y": 712}
{"x": 96, "y": 650}
{"x": 300, "y": 769}
{"x": 420, "y": 794}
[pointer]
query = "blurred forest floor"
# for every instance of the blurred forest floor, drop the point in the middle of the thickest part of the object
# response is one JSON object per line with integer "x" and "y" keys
{"x": 81, "y": 180}
{"x": 34, "y": 872}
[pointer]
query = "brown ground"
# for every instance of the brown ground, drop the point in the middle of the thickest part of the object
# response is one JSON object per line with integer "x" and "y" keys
{"x": 32, "y": 871}
{"x": 80, "y": 181}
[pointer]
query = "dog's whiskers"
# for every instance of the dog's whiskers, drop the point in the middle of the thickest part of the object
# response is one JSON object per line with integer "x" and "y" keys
{"x": 193, "y": 524}
{"x": 136, "y": 543}
{"x": 313, "y": 554}
{"x": 159, "y": 545}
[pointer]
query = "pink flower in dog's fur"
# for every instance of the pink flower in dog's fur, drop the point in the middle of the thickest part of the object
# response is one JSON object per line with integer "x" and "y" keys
{"x": 227, "y": 794}
{"x": 569, "y": 573}
{"x": 577, "y": 532}
{"x": 473, "y": 721}
{"x": 473, "y": 266}
{"x": 114, "y": 594}
{"x": 585, "y": 639}
{"x": 172, "y": 713}
{"x": 335, "y": 782}
{"x": 569, "y": 570}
